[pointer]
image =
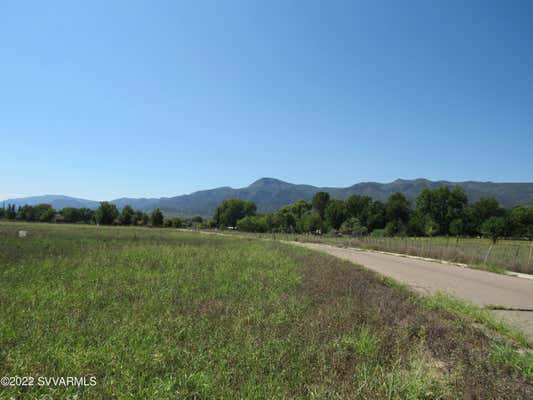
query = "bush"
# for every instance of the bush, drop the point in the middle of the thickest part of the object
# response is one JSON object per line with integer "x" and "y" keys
{"x": 394, "y": 229}
{"x": 352, "y": 226}
{"x": 156, "y": 218}
{"x": 378, "y": 233}
{"x": 310, "y": 222}
{"x": 493, "y": 228}
{"x": 177, "y": 222}
{"x": 256, "y": 223}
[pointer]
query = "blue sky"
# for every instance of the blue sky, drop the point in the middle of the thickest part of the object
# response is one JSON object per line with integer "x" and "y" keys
{"x": 158, "y": 98}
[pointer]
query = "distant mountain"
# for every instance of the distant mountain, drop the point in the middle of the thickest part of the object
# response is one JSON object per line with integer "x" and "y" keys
{"x": 269, "y": 194}
{"x": 138, "y": 204}
{"x": 56, "y": 200}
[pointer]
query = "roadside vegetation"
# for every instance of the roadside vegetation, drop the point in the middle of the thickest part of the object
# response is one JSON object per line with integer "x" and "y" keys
{"x": 505, "y": 255}
{"x": 158, "y": 313}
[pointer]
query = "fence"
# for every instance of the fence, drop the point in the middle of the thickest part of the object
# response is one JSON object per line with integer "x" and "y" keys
{"x": 505, "y": 254}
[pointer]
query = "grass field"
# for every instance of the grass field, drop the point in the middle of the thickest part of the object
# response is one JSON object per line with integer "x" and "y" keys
{"x": 161, "y": 314}
{"x": 511, "y": 255}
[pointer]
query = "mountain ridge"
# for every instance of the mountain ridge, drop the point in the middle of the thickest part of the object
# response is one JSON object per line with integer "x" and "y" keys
{"x": 270, "y": 193}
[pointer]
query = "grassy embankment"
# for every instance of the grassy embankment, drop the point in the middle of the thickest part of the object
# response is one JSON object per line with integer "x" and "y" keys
{"x": 155, "y": 313}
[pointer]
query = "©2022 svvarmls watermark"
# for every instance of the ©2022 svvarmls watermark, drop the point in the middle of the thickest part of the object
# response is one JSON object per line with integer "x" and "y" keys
{"x": 48, "y": 381}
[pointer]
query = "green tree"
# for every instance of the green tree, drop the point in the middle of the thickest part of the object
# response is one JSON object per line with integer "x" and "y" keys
{"x": 106, "y": 213}
{"x": 197, "y": 219}
{"x": 376, "y": 218}
{"x": 479, "y": 212}
{"x": 25, "y": 213}
{"x": 231, "y": 210}
{"x": 87, "y": 215}
{"x": 521, "y": 221}
{"x": 394, "y": 228}
{"x": 457, "y": 203}
{"x": 39, "y": 210}
{"x": 416, "y": 224}
{"x": 352, "y": 226}
{"x": 358, "y": 207}
{"x": 335, "y": 213}
{"x": 441, "y": 206}
{"x": 253, "y": 223}
{"x": 137, "y": 218}
{"x": 10, "y": 212}
{"x": 431, "y": 228}
{"x": 156, "y": 217}
{"x": 457, "y": 227}
{"x": 74, "y": 215}
{"x": 126, "y": 215}
{"x": 300, "y": 207}
{"x": 250, "y": 208}
{"x": 493, "y": 228}
{"x": 177, "y": 222}
{"x": 311, "y": 222}
{"x": 145, "y": 218}
{"x": 320, "y": 202}
{"x": 48, "y": 215}
{"x": 397, "y": 209}
{"x": 284, "y": 220}
{"x": 71, "y": 214}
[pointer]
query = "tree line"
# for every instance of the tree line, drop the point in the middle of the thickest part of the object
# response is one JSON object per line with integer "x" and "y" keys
{"x": 106, "y": 214}
{"x": 443, "y": 211}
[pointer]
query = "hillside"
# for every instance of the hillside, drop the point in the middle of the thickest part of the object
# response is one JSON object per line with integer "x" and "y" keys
{"x": 55, "y": 200}
{"x": 269, "y": 194}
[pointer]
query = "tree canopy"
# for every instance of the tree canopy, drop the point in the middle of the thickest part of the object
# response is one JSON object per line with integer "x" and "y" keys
{"x": 320, "y": 202}
{"x": 231, "y": 210}
{"x": 156, "y": 217}
{"x": 106, "y": 213}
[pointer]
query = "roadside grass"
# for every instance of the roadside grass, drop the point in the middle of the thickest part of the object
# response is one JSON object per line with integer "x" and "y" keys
{"x": 505, "y": 255}
{"x": 511, "y": 349}
{"x": 156, "y": 313}
{"x": 489, "y": 267}
{"x": 444, "y": 301}
{"x": 509, "y": 255}
{"x": 506, "y": 355}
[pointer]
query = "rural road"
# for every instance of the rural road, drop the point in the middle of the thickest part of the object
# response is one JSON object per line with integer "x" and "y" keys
{"x": 479, "y": 287}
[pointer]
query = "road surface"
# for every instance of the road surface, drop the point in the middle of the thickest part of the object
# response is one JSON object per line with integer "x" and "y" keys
{"x": 479, "y": 287}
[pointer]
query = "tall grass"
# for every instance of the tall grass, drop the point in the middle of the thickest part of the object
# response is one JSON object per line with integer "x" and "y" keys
{"x": 160, "y": 314}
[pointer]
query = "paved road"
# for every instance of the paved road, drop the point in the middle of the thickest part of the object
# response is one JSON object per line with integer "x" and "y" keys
{"x": 479, "y": 287}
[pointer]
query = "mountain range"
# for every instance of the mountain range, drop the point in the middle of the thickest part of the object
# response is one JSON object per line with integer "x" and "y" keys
{"x": 269, "y": 194}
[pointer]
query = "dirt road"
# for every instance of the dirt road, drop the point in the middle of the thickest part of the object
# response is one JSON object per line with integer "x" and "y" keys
{"x": 479, "y": 287}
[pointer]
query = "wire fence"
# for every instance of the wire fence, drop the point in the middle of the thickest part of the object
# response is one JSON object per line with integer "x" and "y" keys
{"x": 505, "y": 254}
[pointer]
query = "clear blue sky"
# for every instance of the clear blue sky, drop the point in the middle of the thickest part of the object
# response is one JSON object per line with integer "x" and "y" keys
{"x": 102, "y": 99}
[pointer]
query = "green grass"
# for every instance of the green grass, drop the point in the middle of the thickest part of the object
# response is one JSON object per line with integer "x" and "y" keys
{"x": 443, "y": 301}
{"x": 505, "y": 255}
{"x": 155, "y": 313}
{"x": 504, "y": 354}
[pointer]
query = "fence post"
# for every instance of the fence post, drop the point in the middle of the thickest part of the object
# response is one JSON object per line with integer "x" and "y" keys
{"x": 530, "y": 253}
{"x": 516, "y": 255}
{"x": 488, "y": 253}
